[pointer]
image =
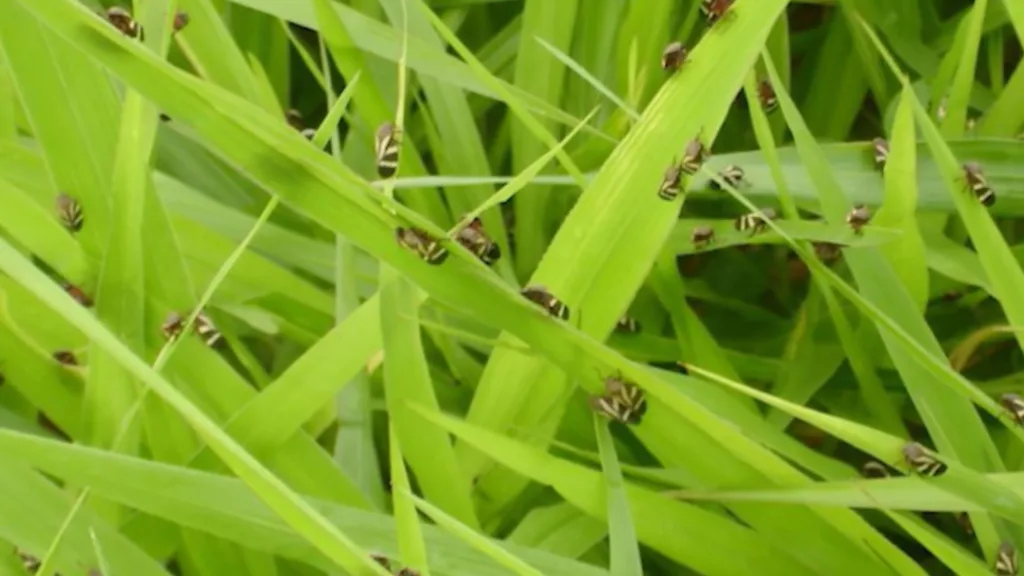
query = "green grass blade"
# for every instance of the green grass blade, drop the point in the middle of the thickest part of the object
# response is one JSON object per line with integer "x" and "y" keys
{"x": 624, "y": 547}
{"x": 471, "y": 537}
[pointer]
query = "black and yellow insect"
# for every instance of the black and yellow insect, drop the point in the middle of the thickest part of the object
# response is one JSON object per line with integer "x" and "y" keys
{"x": 65, "y": 357}
{"x": 673, "y": 56}
{"x": 388, "y": 144}
{"x": 30, "y": 562}
{"x": 766, "y": 94}
{"x": 623, "y": 401}
{"x": 476, "y": 240}
{"x": 627, "y": 325}
{"x": 715, "y": 10}
{"x": 123, "y": 21}
{"x": 69, "y": 211}
{"x": 755, "y": 222}
{"x": 921, "y": 461}
{"x": 858, "y": 218}
{"x": 1014, "y": 405}
{"x": 872, "y": 469}
{"x": 78, "y": 294}
{"x": 671, "y": 183}
{"x": 694, "y": 156}
{"x": 540, "y": 296}
{"x": 880, "y": 147}
{"x": 424, "y": 245}
{"x": 975, "y": 180}
{"x": 181, "y": 20}
{"x": 732, "y": 175}
{"x": 702, "y": 237}
{"x": 1007, "y": 561}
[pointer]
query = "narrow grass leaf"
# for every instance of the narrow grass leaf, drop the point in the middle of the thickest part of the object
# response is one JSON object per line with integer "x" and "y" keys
{"x": 624, "y": 546}
{"x": 219, "y": 504}
{"x": 702, "y": 540}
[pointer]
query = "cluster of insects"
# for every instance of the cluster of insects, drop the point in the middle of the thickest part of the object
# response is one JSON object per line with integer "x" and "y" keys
{"x": 174, "y": 324}
{"x": 694, "y": 156}
{"x": 122, "y": 20}
{"x": 623, "y": 401}
{"x": 541, "y": 297}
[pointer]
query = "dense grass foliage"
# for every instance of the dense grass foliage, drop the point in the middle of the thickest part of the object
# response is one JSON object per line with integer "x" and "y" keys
{"x": 475, "y": 287}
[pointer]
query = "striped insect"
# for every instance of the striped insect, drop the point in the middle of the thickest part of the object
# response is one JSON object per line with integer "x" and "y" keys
{"x": 766, "y": 94}
{"x": 715, "y": 10}
{"x": 873, "y": 469}
{"x": 673, "y": 57}
{"x": 627, "y": 325}
{"x": 623, "y": 401}
{"x": 408, "y": 572}
{"x": 541, "y": 297}
{"x": 880, "y": 147}
{"x": 975, "y": 181}
{"x": 294, "y": 119}
{"x": 858, "y": 218}
{"x": 207, "y": 331}
{"x": 174, "y": 324}
{"x": 181, "y": 20}
{"x": 921, "y": 461}
{"x": 78, "y": 294}
{"x": 1014, "y": 405}
{"x": 476, "y": 240}
{"x": 671, "y": 183}
{"x": 1007, "y": 562}
{"x": 694, "y": 155}
{"x": 424, "y": 245}
{"x": 65, "y": 357}
{"x": 732, "y": 175}
{"x": 755, "y": 222}
{"x": 123, "y": 21}
{"x": 702, "y": 237}
{"x": 387, "y": 145}
{"x": 69, "y": 211}
{"x": 30, "y": 562}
